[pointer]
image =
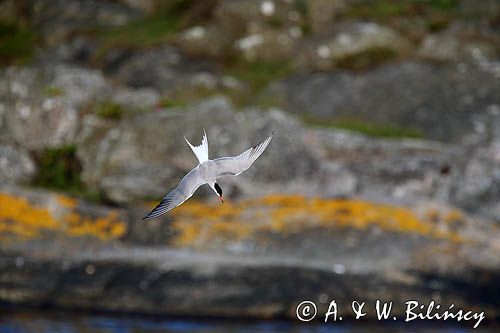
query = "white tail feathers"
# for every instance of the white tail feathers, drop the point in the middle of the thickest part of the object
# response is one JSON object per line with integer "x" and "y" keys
{"x": 200, "y": 151}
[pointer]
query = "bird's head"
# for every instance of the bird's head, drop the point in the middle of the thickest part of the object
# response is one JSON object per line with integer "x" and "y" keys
{"x": 218, "y": 190}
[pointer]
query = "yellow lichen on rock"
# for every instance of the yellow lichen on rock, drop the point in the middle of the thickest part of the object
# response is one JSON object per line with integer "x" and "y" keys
{"x": 196, "y": 223}
{"x": 66, "y": 201}
{"x": 453, "y": 216}
{"x": 22, "y": 219}
{"x": 105, "y": 228}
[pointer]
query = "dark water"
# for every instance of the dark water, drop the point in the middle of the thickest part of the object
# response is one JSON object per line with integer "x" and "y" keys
{"x": 63, "y": 322}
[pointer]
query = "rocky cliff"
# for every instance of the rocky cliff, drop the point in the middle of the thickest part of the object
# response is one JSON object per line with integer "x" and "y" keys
{"x": 382, "y": 182}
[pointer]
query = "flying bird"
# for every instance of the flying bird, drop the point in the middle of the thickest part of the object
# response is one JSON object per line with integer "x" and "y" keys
{"x": 206, "y": 172}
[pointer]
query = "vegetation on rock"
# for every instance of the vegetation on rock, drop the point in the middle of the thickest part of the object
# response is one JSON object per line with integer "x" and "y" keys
{"x": 17, "y": 43}
{"x": 19, "y": 218}
{"x": 197, "y": 224}
{"x": 385, "y": 9}
{"x": 368, "y": 128}
{"x": 109, "y": 110}
{"x": 154, "y": 29}
{"x": 59, "y": 168}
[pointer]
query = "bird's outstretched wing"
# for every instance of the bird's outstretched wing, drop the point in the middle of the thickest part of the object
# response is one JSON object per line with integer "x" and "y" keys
{"x": 237, "y": 164}
{"x": 177, "y": 196}
{"x": 200, "y": 151}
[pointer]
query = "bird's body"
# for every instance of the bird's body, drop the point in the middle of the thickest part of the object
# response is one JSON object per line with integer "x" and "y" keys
{"x": 207, "y": 172}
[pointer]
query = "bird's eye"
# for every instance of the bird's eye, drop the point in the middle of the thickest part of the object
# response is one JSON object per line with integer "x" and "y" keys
{"x": 218, "y": 189}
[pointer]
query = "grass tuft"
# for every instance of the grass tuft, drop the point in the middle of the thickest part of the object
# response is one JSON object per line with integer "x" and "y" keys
{"x": 59, "y": 168}
{"x": 169, "y": 17}
{"x": 51, "y": 91}
{"x": 259, "y": 73}
{"x": 368, "y": 128}
{"x": 16, "y": 43}
{"x": 379, "y": 130}
{"x": 166, "y": 102}
{"x": 109, "y": 110}
{"x": 386, "y": 9}
{"x": 436, "y": 14}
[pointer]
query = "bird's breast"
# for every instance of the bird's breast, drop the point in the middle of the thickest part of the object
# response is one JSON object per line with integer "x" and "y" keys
{"x": 208, "y": 169}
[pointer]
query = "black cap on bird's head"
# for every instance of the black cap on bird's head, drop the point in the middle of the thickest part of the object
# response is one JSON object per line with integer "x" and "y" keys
{"x": 219, "y": 191}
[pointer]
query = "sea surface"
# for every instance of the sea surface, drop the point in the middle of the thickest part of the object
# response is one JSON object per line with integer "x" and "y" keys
{"x": 29, "y": 321}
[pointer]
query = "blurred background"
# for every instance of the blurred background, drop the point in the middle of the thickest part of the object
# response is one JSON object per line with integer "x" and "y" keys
{"x": 382, "y": 182}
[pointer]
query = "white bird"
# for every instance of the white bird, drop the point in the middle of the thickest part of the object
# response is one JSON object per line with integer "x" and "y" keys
{"x": 206, "y": 172}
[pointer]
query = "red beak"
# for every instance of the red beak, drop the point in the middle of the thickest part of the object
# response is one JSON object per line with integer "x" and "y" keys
{"x": 221, "y": 199}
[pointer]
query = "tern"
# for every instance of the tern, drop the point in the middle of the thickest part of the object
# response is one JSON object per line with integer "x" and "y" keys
{"x": 206, "y": 172}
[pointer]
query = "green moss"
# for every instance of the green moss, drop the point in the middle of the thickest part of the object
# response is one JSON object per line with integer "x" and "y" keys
{"x": 367, "y": 128}
{"x": 256, "y": 75}
{"x": 59, "y": 168}
{"x": 385, "y": 9}
{"x": 379, "y": 130}
{"x": 51, "y": 91}
{"x": 259, "y": 73}
{"x": 109, "y": 110}
{"x": 438, "y": 24}
{"x": 170, "y": 103}
{"x": 276, "y": 22}
{"x": 169, "y": 17}
{"x": 89, "y": 195}
{"x": 366, "y": 59}
{"x": 16, "y": 43}
{"x": 379, "y": 10}
{"x": 301, "y": 6}
{"x": 406, "y": 16}
{"x": 440, "y": 4}
{"x": 136, "y": 35}
{"x": 181, "y": 97}
{"x": 146, "y": 32}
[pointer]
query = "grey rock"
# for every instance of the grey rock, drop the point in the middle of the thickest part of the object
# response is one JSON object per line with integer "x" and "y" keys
{"x": 270, "y": 45}
{"x": 7, "y": 10}
{"x": 257, "y": 30}
{"x": 163, "y": 68}
{"x": 487, "y": 8}
{"x": 129, "y": 161}
{"x": 404, "y": 170}
{"x": 16, "y": 166}
{"x": 447, "y": 46}
{"x": 131, "y": 275}
{"x": 323, "y": 51}
{"x": 342, "y": 182}
{"x": 222, "y": 286}
{"x": 477, "y": 187}
{"x": 77, "y": 51}
{"x": 41, "y": 105}
{"x": 144, "y": 155}
{"x": 58, "y": 20}
{"x": 208, "y": 41}
{"x": 80, "y": 85}
{"x": 236, "y": 17}
{"x": 201, "y": 84}
{"x": 321, "y": 13}
{"x": 143, "y": 98}
{"x": 438, "y": 100}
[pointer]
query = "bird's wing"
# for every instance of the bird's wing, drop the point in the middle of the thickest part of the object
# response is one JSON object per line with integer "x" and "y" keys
{"x": 237, "y": 164}
{"x": 200, "y": 151}
{"x": 181, "y": 193}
